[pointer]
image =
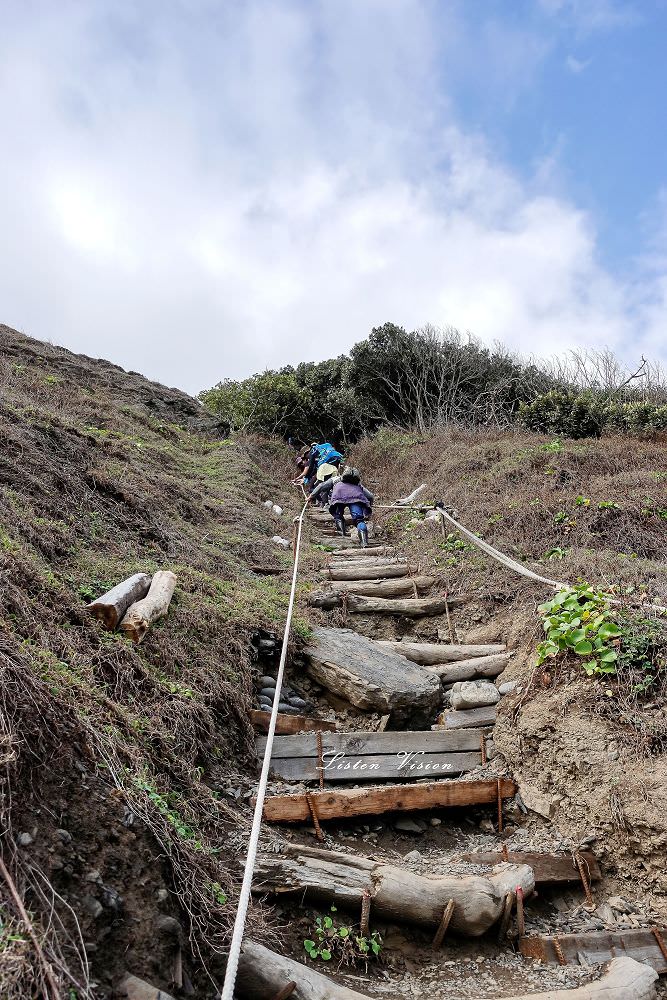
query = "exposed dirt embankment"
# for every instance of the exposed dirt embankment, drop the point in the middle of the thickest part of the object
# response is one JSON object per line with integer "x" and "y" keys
{"x": 124, "y": 767}
{"x": 590, "y": 752}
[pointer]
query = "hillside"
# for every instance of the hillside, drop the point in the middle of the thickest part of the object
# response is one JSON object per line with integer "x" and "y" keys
{"x": 125, "y": 767}
{"x": 128, "y": 769}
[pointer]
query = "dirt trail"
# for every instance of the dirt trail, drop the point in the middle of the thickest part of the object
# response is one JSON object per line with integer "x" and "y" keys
{"x": 429, "y": 843}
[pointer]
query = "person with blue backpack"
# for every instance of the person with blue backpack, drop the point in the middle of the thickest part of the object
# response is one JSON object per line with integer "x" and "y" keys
{"x": 319, "y": 455}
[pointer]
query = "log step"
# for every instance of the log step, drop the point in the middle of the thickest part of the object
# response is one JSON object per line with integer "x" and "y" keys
{"x": 289, "y": 724}
{"x": 469, "y": 718}
{"x": 430, "y": 653}
{"x": 466, "y": 670}
{"x": 339, "y": 542}
{"x": 344, "y": 803}
{"x": 547, "y": 868}
{"x": 263, "y": 974}
{"x": 332, "y": 598}
{"x": 369, "y": 571}
{"x": 599, "y": 946}
{"x": 364, "y": 756}
{"x": 412, "y": 607}
{"x": 359, "y": 553}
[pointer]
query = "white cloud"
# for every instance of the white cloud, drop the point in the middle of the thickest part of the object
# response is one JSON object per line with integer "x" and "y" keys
{"x": 577, "y": 66}
{"x": 202, "y": 190}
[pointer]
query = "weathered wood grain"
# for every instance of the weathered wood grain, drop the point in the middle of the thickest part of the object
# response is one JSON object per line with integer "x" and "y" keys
{"x": 548, "y": 868}
{"x": 599, "y": 946}
{"x": 404, "y": 766}
{"x": 365, "y": 742}
{"x": 429, "y": 653}
{"x": 289, "y": 724}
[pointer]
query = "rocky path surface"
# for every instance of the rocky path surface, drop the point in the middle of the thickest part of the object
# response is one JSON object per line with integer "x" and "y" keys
{"x": 362, "y": 806}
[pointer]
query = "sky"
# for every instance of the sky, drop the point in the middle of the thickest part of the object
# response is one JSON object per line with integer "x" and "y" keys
{"x": 203, "y": 189}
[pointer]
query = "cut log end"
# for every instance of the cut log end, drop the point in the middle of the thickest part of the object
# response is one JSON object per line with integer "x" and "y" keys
{"x": 155, "y": 605}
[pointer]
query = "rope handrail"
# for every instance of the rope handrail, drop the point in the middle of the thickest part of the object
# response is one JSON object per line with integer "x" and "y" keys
{"x": 244, "y": 894}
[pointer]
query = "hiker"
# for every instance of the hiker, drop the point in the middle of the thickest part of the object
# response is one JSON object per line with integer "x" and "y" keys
{"x": 302, "y": 462}
{"x": 348, "y": 491}
{"x": 325, "y": 477}
{"x": 319, "y": 454}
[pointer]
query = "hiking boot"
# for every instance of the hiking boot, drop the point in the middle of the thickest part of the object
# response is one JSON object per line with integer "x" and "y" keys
{"x": 340, "y": 526}
{"x": 362, "y": 531}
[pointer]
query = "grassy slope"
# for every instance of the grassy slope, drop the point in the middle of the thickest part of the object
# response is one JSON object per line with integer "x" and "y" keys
{"x": 595, "y": 748}
{"x": 102, "y": 474}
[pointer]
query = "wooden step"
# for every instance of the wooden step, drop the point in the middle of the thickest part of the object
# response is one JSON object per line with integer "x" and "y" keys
{"x": 369, "y": 571}
{"x": 339, "y": 542}
{"x": 465, "y": 670}
{"x": 411, "y": 607}
{"x": 548, "y": 868}
{"x": 368, "y": 756}
{"x": 599, "y": 946}
{"x": 359, "y": 553}
{"x": 469, "y": 718}
{"x": 430, "y": 653}
{"x": 348, "y": 802}
{"x": 289, "y": 724}
{"x": 333, "y": 596}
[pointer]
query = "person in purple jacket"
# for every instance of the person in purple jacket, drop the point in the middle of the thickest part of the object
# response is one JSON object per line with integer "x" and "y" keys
{"x": 348, "y": 491}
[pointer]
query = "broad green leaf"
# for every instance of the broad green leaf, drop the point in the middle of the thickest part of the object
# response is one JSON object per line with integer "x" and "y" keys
{"x": 584, "y": 647}
{"x": 325, "y": 954}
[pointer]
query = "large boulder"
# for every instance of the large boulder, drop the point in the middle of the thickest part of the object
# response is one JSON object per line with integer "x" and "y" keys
{"x": 372, "y": 678}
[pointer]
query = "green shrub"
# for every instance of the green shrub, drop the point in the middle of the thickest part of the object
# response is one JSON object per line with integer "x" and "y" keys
{"x": 588, "y": 415}
{"x": 342, "y": 942}
{"x": 579, "y": 620}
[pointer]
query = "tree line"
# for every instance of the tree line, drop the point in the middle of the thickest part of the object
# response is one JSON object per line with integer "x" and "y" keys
{"x": 430, "y": 378}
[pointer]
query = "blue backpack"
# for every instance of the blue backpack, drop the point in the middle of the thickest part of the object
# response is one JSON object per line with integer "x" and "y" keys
{"x": 327, "y": 453}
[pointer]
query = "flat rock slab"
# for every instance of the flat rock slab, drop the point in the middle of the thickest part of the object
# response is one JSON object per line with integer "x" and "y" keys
{"x": 372, "y": 678}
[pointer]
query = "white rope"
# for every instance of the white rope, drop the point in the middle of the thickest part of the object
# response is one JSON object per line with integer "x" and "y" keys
{"x": 512, "y": 564}
{"x": 244, "y": 895}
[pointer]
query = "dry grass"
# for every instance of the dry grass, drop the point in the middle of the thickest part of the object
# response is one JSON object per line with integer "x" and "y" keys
{"x": 103, "y": 474}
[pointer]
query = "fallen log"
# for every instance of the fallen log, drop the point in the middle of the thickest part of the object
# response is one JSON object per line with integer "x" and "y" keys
{"x": 599, "y": 946}
{"x": 468, "y": 718}
{"x": 398, "y": 895}
{"x": 375, "y": 801}
{"x": 262, "y": 974}
{"x": 368, "y": 571}
{"x": 372, "y": 678}
{"x": 411, "y": 607}
{"x": 465, "y": 670}
{"x": 155, "y": 605}
{"x": 333, "y": 597}
{"x": 359, "y": 756}
{"x": 547, "y": 868}
{"x": 286, "y": 725}
{"x": 110, "y": 607}
{"x": 430, "y": 653}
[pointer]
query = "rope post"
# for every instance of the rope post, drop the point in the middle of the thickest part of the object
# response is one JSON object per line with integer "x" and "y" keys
{"x": 364, "y": 923}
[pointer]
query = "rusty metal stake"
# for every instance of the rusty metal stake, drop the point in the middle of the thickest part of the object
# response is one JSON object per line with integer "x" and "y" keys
{"x": 320, "y": 759}
{"x": 364, "y": 923}
{"x": 444, "y": 924}
{"x": 584, "y": 879}
{"x": 505, "y": 852}
{"x": 520, "y": 915}
{"x": 661, "y": 944}
{"x": 559, "y": 952}
{"x": 285, "y": 992}
{"x": 315, "y": 818}
{"x": 500, "y": 805}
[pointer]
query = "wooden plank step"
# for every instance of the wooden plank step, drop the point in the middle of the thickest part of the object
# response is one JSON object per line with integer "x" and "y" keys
{"x": 359, "y": 553}
{"x": 380, "y": 767}
{"x": 339, "y": 542}
{"x": 289, "y": 724}
{"x": 470, "y": 718}
{"x": 465, "y": 670}
{"x": 599, "y": 946}
{"x": 364, "y": 742}
{"x": 333, "y": 596}
{"x": 547, "y": 868}
{"x": 368, "y": 571}
{"x": 430, "y": 653}
{"x": 392, "y": 798}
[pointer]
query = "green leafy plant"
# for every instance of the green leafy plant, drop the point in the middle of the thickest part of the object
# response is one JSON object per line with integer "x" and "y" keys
{"x": 607, "y": 505}
{"x": 555, "y": 553}
{"x": 579, "y": 621}
{"x": 553, "y": 446}
{"x": 582, "y": 501}
{"x": 343, "y": 942}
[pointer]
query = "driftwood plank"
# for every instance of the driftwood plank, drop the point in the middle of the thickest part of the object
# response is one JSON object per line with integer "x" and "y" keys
{"x": 599, "y": 946}
{"x": 548, "y": 868}
{"x": 364, "y": 742}
{"x": 429, "y": 653}
{"x": 399, "y": 895}
{"x": 413, "y": 607}
{"x": 375, "y": 801}
{"x": 465, "y": 670}
{"x": 469, "y": 718}
{"x": 289, "y": 724}
{"x": 386, "y": 767}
